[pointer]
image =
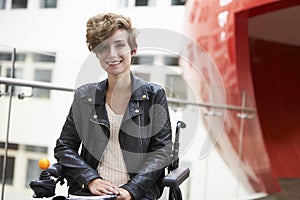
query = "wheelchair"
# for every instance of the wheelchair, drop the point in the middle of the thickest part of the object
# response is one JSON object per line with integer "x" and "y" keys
{"x": 45, "y": 186}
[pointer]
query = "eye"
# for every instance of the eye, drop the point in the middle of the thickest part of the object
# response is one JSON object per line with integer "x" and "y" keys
{"x": 101, "y": 49}
{"x": 120, "y": 45}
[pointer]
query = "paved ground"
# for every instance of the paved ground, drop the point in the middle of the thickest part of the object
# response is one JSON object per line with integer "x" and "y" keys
{"x": 290, "y": 190}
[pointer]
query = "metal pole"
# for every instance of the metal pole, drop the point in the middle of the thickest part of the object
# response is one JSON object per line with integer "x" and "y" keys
{"x": 211, "y": 105}
{"x": 51, "y": 86}
{"x": 241, "y": 139}
{"x": 35, "y": 84}
{"x": 12, "y": 74}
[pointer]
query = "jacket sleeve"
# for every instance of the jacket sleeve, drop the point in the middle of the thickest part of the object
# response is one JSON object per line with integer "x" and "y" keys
{"x": 67, "y": 147}
{"x": 159, "y": 151}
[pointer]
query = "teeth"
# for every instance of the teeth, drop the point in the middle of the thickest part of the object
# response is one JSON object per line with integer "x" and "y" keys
{"x": 114, "y": 62}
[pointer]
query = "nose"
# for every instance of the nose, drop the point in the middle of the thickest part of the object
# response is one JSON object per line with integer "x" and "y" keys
{"x": 113, "y": 51}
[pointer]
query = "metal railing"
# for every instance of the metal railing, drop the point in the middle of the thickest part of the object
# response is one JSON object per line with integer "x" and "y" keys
{"x": 34, "y": 84}
{"x": 243, "y": 112}
{"x": 51, "y": 86}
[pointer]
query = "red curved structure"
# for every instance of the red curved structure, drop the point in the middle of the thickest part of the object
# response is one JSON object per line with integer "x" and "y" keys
{"x": 267, "y": 72}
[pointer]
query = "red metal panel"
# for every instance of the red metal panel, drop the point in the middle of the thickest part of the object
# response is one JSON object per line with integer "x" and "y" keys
{"x": 275, "y": 70}
{"x": 220, "y": 27}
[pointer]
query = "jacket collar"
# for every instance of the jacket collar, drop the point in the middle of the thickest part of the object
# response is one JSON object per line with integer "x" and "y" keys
{"x": 139, "y": 93}
{"x": 138, "y": 90}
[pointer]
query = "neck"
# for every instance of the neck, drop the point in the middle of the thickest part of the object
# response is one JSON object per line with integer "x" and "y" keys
{"x": 118, "y": 92}
{"x": 119, "y": 84}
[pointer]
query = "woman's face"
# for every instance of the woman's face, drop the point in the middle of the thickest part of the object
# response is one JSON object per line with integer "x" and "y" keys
{"x": 115, "y": 54}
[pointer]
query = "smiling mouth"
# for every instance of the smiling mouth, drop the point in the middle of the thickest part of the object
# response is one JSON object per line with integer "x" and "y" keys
{"x": 114, "y": 62}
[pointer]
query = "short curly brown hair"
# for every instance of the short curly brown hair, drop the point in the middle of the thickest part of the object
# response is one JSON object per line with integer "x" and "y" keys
{"x": 100, "y": 27}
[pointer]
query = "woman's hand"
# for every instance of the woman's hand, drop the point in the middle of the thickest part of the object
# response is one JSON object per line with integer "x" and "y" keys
{"x": 101, "y": 187}
{"x": 124, "y": 195}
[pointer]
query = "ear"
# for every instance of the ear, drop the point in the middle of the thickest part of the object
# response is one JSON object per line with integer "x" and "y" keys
{"x": 133, "y": 52}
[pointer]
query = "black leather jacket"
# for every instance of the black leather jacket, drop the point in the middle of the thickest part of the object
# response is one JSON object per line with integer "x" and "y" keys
{"x": 145, "y": 137}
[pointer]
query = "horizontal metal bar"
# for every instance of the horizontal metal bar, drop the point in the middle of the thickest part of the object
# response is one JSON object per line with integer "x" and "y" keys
{"x": 51, "y": 86}
{"x": 216, "y": 106}
{"x": 34, "y": 84}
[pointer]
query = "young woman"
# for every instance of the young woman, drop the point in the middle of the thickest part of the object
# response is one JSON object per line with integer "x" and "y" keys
{"x": 121, "y": 125}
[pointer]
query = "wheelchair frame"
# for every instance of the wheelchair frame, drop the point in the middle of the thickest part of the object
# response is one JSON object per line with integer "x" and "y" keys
{"x": 46, "y": 185}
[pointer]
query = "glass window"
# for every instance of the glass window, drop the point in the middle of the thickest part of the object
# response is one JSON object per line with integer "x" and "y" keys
{"x": 48, "y": 3}
{"x": 171, "y": 61}
{"x": 33, "y": 171}
{"x": 43, "y": 58}
{"x": 176, "y": 86}
{"x": 9, "y": 172}
{"x": 2, "y": 4}
{"x": 145, "y": 2}
{"x": 10, "y": 146}
{"x": 37, "y": 149}
{"x": 141, "y": 2}
{"x": 18, "y": 73}
{"x": 178, "y": 2}
{"x": 43, "y": 75}
{"x": 19, "y": 3}
{"x": 20, "y": 57}
{"x": 141, "y": 60}
{"x": 5, "y": 56}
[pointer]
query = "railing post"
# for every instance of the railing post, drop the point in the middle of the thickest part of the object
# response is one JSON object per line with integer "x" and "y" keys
{"x": 13, "y": 60}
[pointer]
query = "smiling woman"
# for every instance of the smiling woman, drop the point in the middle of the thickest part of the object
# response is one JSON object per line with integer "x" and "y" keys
{"x": 115, "y": 55}
{"x": 122, "y": 123}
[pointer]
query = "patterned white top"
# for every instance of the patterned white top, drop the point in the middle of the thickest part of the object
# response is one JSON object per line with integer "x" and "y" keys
{"x": 112, "y": 167}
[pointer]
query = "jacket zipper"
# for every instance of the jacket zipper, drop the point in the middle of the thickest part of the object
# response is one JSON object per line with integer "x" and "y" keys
{"x": 140, "y": 131}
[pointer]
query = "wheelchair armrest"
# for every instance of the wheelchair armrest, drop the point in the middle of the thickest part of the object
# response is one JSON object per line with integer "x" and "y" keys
{"x": 176, "y": 177}
{"x": 55, "y": 170}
